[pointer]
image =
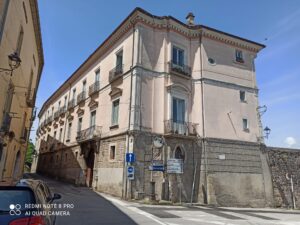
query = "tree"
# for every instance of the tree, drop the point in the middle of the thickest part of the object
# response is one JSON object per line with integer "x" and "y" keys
{"x": 30, "y": 150}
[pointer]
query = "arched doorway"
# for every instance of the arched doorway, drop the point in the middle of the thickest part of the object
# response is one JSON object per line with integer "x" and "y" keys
{"x": 17, "y": 166}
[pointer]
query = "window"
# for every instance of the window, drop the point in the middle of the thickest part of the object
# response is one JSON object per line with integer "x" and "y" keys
{"x": 239, "y": 56}
{"x": 245, "y": 125}
{"x": 66, "y": 156}
{"x": 59, "y": 104}
{"x": 115, "y": 112}
{"x": 119, "y": 61}
{"x": 79, "y": 124}
{"x": 76, "y": 155}
{"x": 54, "y": 136}
{"x": 65, "y": 101}
{"x": 242, "y": 96}
{"x": 178, "y": 116}
{"x": 25, "y": 13}
{"x": 69, "y": 131}
{"x": 178, "y": 56}
{"x": 84, "y": 86}
{"x": 52, "y": 110}
{"x": 178, "y": 110}
{"x": 74, "y": 93}
{"x": 112, "y": 152}
{"x": 20, "y": 41}
{"x": 179, "y": 154}
{"x": 93, "y": 119}
{"x": 97, "y": 75}
{"x": 60, "y": 134}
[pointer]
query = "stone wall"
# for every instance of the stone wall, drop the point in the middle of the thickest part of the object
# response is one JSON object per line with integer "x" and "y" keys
{"x": 283, "y": 161}
{"x": 174, "y": 187}
{"x": 237, "y": 174}
{"x": 108, "y": 173}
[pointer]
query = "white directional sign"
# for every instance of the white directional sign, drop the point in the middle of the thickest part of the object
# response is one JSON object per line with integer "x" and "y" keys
{"x": 175, "y": 166}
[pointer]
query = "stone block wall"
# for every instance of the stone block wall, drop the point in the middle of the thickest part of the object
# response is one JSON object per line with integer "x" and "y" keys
{"x": 283, "y": 162}
{"x": 236, "y": 174}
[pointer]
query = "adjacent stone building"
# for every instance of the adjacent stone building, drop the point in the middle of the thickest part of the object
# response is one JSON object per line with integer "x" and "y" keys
{"x": 192, "y": 86}
{"x": 21, "y": 64}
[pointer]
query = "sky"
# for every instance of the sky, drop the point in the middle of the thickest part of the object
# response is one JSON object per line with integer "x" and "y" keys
{"x": 73, "y": 29}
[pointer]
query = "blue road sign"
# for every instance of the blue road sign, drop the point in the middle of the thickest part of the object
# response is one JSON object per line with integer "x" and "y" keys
{"x": 130, "y": 169}
{"x": 130, "y": 157}
{"x": 157, "y": 168}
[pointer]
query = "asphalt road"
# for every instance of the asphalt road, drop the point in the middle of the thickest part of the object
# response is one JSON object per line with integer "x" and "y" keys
{"x": 89, "y": 207}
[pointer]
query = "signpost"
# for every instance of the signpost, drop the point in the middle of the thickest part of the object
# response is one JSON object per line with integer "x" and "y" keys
{"x": 175, "y": 166}
{"x": 130, "y": 173}
{"x": 130, "y": 157}
{"x": 157, "y": 165}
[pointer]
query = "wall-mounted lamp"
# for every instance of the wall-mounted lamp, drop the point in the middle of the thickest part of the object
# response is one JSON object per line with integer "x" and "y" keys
{"x": 267, "y": 132}
{"x": 14, "y": 62}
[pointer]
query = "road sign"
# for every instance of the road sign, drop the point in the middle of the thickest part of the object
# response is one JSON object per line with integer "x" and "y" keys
{"x": 175, "y": 166}
{"x": 130, "y": 169}
{"x": 156, "y": 168}
{"x": 130, "y": 157}
{"x": 130, "y": 173}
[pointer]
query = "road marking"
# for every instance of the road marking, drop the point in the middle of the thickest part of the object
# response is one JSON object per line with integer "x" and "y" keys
{"x": 148, "y": 215}
{"x": 114, "y": 200}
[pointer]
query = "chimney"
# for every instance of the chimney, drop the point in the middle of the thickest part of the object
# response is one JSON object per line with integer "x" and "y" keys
{"x": 190, "y": 19}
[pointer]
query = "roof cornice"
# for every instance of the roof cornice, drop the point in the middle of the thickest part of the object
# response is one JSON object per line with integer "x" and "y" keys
{"x": 38, "y": 36}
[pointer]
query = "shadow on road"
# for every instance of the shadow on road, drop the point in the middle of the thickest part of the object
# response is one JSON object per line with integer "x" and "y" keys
{"x": 89, "y": 207}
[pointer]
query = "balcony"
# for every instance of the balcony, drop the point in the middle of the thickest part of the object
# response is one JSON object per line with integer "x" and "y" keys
{"x": 95, "y": 87}
{"x": 62, "y": 110}
{"x": 80, "y": 97}
{"x": 180, "y": 69}
{"x": 49, "y": 120}
{"x": 180, "y": 128}
{"x": 88, "y": 134}
{"x": 71, "y": 104}
{"x": 30, "y": 98}
{"x": 115, "y": 73}
{"x": 56, "y": 114}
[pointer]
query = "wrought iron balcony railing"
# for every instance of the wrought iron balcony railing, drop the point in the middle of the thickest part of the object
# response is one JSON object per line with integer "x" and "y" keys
{"x": 180, "y": 127}
{"x": 115, "y": 73}
{"x": 56, "y": 114}
{"x": 180, "y": 69}
{"x": 81, "y": 97}
{"x": 95, "y": 87}
{"x": 49, "y": 119}
{"x": 71, "y": 104}
{"x": 62, "y": 110}
{"x": 89, "y": 133}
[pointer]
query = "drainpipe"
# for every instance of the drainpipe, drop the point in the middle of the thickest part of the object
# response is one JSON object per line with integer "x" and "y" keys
{"x": 203, "y": 121}
{"x": 125, "y": 180}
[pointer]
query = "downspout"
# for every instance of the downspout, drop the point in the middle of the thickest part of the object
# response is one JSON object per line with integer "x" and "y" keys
{"x": 203, "y": 121}
{"x": 125, "y": 180}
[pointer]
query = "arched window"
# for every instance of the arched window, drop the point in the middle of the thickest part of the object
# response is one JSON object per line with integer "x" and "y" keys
{"x": 179, "y": 153}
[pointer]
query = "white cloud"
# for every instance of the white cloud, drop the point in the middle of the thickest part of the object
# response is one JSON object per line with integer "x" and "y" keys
{"x": 290, "y": 141}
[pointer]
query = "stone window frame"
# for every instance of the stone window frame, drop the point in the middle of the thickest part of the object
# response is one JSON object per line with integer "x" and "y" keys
{"x": 245, "y": 97}
{"x": 246, "y": 129}
{"x": 109, "y": 152}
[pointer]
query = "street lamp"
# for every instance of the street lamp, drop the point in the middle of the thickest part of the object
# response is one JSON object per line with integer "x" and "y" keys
{"x": 14, "y": 62}
{"x": 267, "y": 132}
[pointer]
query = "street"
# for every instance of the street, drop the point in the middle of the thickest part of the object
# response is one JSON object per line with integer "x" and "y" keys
{"x": 95, "y": 208}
